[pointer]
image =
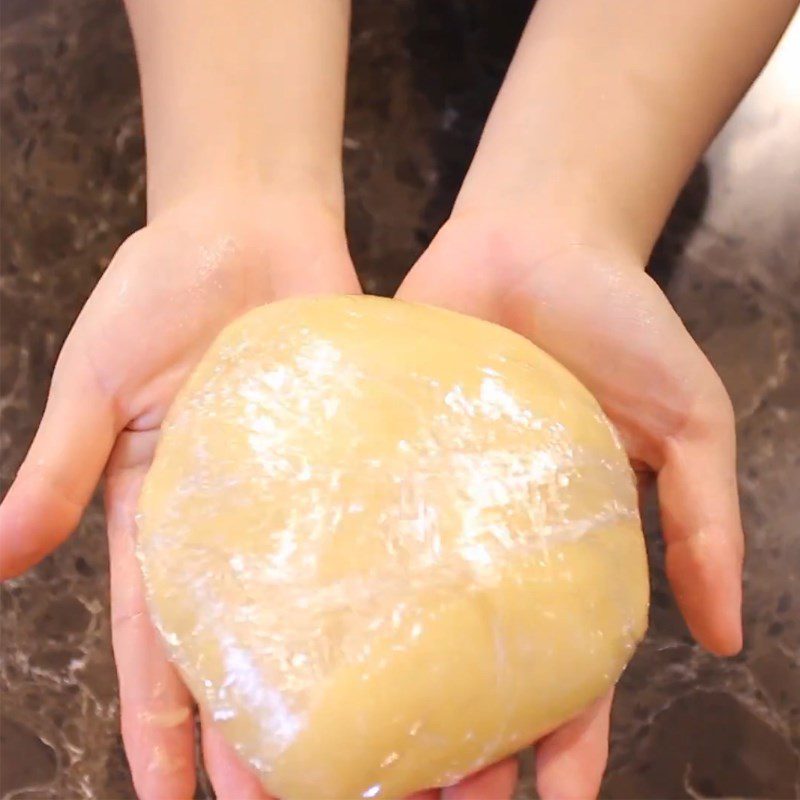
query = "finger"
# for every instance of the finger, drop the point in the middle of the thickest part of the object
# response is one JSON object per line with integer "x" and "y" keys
{"x": 155, "y": 707}
{"x": 570, "y": 761}
{"x": 62, "y": 468}
{"x": 702, "y": 527}
{"x": 230, "y": 776}
{"x": 496, "y": 782}
{"x": 428, "y": 794}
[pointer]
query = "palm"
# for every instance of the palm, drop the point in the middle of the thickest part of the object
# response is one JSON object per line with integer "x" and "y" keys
{"x": 167, "y": 293}
{"x": 174, "y": 285}
{"x": 612, "y": 327}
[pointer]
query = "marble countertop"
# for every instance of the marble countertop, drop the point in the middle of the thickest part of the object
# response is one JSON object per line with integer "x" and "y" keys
{"x": 685, "y": 724}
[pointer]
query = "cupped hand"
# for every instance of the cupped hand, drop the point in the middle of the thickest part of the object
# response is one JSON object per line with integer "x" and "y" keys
{"x": 167, "y": 293}
{"x": 598, "y": 313}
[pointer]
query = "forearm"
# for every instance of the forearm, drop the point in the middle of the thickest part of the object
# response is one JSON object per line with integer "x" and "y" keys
{"x": 608, "y": 105}
{"x": 247, "y": 93}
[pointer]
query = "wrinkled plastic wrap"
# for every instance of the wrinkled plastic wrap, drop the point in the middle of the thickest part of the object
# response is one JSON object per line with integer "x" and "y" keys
{"x": 388, "y": 544}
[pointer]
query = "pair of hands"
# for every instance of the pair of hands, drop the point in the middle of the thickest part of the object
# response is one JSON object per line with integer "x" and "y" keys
{"x": 176, "y": 283}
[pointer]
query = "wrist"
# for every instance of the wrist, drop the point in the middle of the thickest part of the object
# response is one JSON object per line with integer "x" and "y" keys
{"x": 277, "y": 211}
{"x": 246, "y": 94}
{"x": 613, "y": 196}
{"x": 248, "y": 181}
{"x": 221, "y": 146}
{"x": 527, "y": 229}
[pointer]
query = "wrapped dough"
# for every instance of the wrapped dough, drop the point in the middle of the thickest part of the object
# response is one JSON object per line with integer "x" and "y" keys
{"x": 388, "y": 544}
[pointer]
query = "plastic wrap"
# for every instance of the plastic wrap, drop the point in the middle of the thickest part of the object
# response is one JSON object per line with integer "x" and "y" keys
{"x": 388, "y": 545}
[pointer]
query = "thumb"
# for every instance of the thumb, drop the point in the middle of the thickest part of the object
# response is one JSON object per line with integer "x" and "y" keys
{"x": 62, "y": 468}
{"x": 449, "y": 275}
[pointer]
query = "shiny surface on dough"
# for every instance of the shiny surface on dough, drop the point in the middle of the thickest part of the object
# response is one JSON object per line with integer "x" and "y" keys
{"x": 388, "y": 544}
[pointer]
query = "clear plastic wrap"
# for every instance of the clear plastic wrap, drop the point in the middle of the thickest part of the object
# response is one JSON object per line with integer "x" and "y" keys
{"x": 387, "y": 545}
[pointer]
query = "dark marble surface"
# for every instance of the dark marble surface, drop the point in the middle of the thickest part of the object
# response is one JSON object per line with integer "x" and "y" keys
{"x": 685, "y": 724}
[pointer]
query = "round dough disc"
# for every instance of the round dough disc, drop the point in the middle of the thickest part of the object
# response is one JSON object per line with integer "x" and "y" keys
{"x": 388, "y": 544}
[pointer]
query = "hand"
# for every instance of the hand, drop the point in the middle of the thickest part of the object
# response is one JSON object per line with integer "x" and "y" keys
{"x": 167, "y": 293}
{"x": 600, "y": 315}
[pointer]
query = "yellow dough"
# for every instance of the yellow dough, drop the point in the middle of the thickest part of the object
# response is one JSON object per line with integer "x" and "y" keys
{"x": 388, "y": 545}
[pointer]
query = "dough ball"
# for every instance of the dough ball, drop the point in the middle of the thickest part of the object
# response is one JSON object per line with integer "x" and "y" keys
{"x": 388, "y": 544}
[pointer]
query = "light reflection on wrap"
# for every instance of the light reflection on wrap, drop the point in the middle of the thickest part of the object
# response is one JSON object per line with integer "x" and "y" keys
{"x": 387, "y": 544}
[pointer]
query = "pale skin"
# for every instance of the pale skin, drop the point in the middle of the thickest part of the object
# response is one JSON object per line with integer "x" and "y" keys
{"x": 606, "y": 108}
